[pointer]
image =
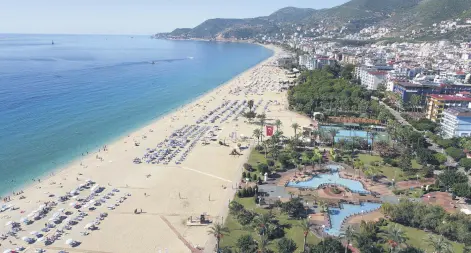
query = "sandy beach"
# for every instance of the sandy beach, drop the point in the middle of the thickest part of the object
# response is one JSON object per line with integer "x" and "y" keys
{"x": 195, "y": 177}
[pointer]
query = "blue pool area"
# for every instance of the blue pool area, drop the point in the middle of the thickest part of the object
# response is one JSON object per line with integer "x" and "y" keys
{"x": 332, "y": 178}
{"x": 339, "y": 215}
{"x": 344, "y": 133}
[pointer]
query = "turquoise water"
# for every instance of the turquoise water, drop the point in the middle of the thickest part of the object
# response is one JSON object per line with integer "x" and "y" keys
{"x": 333, "y": 178}
{"x": 337, "y": 215}
{"x": 348, "y": 134}
{"x": 58, "y": 101}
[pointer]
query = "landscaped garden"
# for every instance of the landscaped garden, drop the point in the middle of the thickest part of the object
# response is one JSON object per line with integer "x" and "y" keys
{"x": 314, "y": 195}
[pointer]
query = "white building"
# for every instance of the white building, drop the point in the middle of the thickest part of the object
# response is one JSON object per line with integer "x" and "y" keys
{"x": 371, "y": 79}
{"x": 456, "y": 122}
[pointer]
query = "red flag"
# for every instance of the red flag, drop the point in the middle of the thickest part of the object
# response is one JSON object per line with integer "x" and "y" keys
{"x": 269, "y": 131}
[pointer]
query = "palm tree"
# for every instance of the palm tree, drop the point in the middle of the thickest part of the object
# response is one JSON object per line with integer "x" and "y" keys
{"x": 348, "y": 235}
{"x": 295, "y": 127}
{"x": 439, "y": 244}
{"x": 358, "y": 165}
{"x": 218, "y": 231}
{"x": 316, "y": 134}
{"x": 278, "y": 124}
{"x": 396, "y": 236}
{"x": 250, "y": 104}
{"x": 333, "y": 132}
{"x": 306, "y": 227}
{"x": 263, "y": 221}
{"x": 257, "y": 133}
{"x": 262, "y": 244}
{"x": 305, "y": 159}
{"x": 372, "y": 137}
{"x": 262, "y": 119}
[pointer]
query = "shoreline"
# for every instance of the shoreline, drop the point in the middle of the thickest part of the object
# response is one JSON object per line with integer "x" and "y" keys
{"x": 76, "y": 158}
{"x": 168, "y": 193}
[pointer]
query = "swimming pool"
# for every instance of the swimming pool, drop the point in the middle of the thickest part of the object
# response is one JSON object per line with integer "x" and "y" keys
{"x": 339, "y": 215}
{"x": 345, "y": 134}
{"x": 333, "y": 178}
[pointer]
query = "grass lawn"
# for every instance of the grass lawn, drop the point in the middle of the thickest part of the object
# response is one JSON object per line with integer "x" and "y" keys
{"x": 236, "y": 230}
{"x": 388, "y": 171}
{"x": 418, "y": 238}
{"x": 255, "y": 158}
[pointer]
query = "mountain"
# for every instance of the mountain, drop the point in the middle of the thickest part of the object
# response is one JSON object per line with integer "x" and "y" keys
{"x": 351, "y": 17}
{"x": 427, "y": 12}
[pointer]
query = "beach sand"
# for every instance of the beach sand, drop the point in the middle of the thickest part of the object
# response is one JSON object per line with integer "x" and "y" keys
{"x": 167, "y": 194}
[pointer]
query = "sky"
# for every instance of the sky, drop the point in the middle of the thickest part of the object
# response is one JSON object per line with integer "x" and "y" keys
{"x": 132, "y": 16}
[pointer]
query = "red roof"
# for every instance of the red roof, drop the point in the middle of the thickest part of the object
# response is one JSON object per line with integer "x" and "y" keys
{"x": 378, "y": 73}
{"x": 460, "y": 73}
{"x": 450, "y": 97}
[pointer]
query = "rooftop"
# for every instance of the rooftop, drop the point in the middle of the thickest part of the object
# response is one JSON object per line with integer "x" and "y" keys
{"x": 450, "y": 97}
{"x": 459, "y": 111}
{"x": 378, "y": 73}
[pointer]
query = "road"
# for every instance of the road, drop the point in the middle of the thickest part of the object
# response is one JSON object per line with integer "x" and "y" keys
{"x": 433, "y": 146}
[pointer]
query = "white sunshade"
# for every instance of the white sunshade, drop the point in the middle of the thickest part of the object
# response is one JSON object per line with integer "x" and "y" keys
{"x": 8, "y": 251}
{"x": 89, "y": 225}
{"x": 72, "y": 204}
{"x": 34, "y": 233}
{"x": 8, "y": 223}
{"x": 69, "y": 241}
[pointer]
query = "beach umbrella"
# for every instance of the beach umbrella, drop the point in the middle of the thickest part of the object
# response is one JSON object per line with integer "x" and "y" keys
{"x": 23, "y": 219}
{"x": 24, "y": 238}
{"x": 69, "y": 241}
{"x": 34, "y": 233}
{"x": 72, "y": 204}
{"x": 89, "y": 225}
{"x": 8, "y": 223}
{"x": 8, "y": 251}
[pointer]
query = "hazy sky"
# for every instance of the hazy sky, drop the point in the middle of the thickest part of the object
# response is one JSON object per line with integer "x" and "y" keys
{"x": 131, "y": 16}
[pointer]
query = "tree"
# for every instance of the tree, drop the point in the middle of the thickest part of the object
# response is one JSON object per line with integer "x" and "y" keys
{"x": 455, "y": 153}
{"x": 441, "y": 158}
{"x": 262, "y": 168}
{"x": 218, "y": 231}
{"x": 306, "y": 227}
{"x": 294, "y": 208}
{"x": 262, "y": 120}
{"x": 295, "y": 127}
{"x": 250, "y": 115}
{"x": 396, "y": 236}
{"x": 262, "y": 222}
{"x": 286, "y": 245}
{"x": 415, "y": 101}
{"x": 262, "y": 244}
{"x": 329, "y": 245}
{"x": 439, "y": 244}
{"x": 278, "y": 124}
{"x": 257, "y": 133}
{"x": 246, "y": 243}
{"x": 411, "y": 250}
{"x": 250, "y": 104}
{"x": 333, "y": 132}
{"x": 451, "y": 177}
{"x": 462, "y": 190}
{"x": 466, "y": 163}
{"x": 348, "y": 235}
{"x": 405, "y": 161}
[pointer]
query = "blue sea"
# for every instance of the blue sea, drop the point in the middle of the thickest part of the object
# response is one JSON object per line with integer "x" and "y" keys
{"x": 58, "y": 101}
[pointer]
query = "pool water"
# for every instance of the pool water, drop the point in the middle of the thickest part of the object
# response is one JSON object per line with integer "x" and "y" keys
{"x": 338, "y": 215}
{"x": 346, "y": 134}
{"x": 333, "y": 178}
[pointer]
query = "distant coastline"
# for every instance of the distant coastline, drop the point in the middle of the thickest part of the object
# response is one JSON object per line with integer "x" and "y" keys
{"x": 43, "y": 169}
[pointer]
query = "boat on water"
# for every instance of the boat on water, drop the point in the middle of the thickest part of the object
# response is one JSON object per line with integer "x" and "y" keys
{"x": 52, "y": 43}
